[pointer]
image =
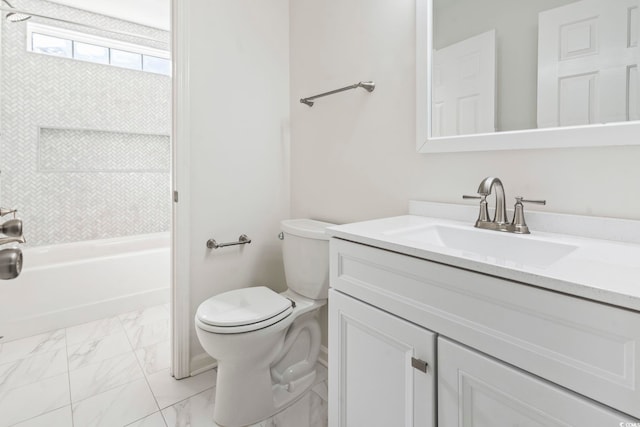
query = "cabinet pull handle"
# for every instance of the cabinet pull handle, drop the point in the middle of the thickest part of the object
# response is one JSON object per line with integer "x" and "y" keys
{"x": 418, "y": 364}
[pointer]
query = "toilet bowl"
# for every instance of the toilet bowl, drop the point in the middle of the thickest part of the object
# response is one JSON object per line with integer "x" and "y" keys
{"x": 267, "y": 344}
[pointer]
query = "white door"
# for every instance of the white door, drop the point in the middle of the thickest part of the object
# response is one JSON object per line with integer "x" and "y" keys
{"x": 372, "y": 381}
{"x": 477, "y": 391}
{"x": 464, "y": 87}
{"x": 588, "y": 63}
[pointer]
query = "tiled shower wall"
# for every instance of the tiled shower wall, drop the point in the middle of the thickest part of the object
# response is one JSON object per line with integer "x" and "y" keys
{"x": 84, "y": 148}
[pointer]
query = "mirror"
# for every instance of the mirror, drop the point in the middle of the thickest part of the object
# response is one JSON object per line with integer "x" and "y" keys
{"x": 512, "y": 74}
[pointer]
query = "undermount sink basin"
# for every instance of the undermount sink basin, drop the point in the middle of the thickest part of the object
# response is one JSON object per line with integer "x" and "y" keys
{"x": 496, "y": 247}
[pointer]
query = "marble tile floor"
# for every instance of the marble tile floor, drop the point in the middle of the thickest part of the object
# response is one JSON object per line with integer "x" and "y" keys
{"x": 115, "y": 372}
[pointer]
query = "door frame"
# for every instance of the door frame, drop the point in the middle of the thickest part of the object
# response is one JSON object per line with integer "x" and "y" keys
{"x": 180, "y": 244}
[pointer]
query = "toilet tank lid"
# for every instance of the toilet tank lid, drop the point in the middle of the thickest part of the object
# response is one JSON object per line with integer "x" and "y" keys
{"x": 309, "y": 228}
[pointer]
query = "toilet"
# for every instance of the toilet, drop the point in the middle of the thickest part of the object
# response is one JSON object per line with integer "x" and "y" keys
{"x": 266, "y": 343}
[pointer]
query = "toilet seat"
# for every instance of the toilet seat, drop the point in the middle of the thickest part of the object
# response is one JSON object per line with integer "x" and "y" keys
{"x": 243, "y": 310}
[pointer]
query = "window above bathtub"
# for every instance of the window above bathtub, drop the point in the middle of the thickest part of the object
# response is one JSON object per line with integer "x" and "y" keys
{"x": 70, "y": 44}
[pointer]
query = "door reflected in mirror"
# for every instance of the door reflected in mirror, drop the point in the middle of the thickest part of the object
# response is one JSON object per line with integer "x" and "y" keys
{"x": 507, "y": 65}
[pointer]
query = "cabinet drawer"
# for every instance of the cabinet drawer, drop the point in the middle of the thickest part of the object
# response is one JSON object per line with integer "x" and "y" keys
{"x": 585, "y": 346}
{"x": 477, "y": 391}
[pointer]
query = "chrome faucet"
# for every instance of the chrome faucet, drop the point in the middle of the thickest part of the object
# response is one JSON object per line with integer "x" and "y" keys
{"x": 499, "y": 221}
{"x": 487, "y": 184}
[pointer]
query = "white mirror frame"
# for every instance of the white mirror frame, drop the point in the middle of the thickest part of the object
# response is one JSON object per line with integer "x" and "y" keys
{"x": 612, "y": 134}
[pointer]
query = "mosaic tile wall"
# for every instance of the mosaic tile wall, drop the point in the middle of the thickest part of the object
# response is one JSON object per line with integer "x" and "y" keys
{"x": 76, "y": 150}
{"x": 62, "y": 193}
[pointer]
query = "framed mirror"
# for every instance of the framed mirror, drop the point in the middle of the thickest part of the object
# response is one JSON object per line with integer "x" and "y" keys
{"x": 517, "y": 74}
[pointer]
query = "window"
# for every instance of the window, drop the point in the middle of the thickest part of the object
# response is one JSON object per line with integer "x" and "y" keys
{"x": 52, "y": 45}
{"x": 154, "y": 64}
{"x": 90, "y": 52}
{"x": 121, "y": 58}
{"x": 86, "y": 47}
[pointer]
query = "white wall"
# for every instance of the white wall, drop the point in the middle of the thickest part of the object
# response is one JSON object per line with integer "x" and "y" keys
{"x": 239, "y": 104}
{"x": 354, "y": 154}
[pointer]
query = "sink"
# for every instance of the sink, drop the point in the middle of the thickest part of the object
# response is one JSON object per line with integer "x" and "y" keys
{"x": 493, "y": 246}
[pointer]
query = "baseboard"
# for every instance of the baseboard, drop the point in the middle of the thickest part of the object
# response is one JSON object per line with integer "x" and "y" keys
{"x": 202, "y": 362}
{"x": 323, "y": 358}
{"x": 72, "y": 316}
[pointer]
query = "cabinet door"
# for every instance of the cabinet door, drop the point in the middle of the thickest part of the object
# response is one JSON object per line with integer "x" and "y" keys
{"x": 376, "y": 372}
{"x": 477, "y": 391}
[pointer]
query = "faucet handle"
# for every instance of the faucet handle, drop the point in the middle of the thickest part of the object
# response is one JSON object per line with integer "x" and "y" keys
{"x": 483, "y": 216}
{"x": 12, "y": 228}
{"x": 519, "y": 225}
{"x": 520, "y": 199}
{"x": 4, "y": 211}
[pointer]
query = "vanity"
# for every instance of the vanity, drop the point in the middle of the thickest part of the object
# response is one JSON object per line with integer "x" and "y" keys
{"x": 436, "y": 322}
{"x": 433, "y": 322}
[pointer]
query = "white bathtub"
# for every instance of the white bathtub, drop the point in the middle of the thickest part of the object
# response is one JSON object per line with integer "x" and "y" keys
{"x": 73, "y": 283}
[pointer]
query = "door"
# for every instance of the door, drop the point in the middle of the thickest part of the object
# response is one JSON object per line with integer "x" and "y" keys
{"x": 464, "y": 87}
{"x": 381, "y": 368}
{"x": 588, "y": 63}
{"x": 477, "y": 391}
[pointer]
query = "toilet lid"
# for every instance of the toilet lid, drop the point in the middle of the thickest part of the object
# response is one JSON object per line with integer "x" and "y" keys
{"x": 243, "y": 307}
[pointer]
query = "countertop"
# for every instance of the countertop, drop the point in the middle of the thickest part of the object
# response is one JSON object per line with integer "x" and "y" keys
{"x": 602, "y": 270}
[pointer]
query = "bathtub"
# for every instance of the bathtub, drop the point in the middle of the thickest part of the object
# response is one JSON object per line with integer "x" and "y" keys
{"x": 73, "y": 283}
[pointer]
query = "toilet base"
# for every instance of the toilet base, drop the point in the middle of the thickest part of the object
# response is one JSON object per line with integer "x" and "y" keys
{"x": 290, "y": 414}
{"x": 283, "y": 397}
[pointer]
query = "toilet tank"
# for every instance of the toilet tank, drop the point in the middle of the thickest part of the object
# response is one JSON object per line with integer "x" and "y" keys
{"x": 305, "y": 252}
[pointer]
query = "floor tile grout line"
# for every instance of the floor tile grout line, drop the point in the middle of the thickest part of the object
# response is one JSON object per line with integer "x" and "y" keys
{"x": 39, "y": 415}
{"x": 185, "y": 399}
{"x": 39, "y": 379}
{"x": 66, "y": 347}
{"x": 104, "y": 391}
{"x": 142, "y": 418}
{"x": 100, "y": 361}
{"x": 99, "y": 338}
{"x": 31, "y": 353}
{"x": 129, "y": 382}
{"x": 131, "y": 351}
{"x": 145, "y": 349}
{"x": 50, "y": 331}
{"x": 155, "y": 399}
{"x": 164, "y": 419}
{"x": 192, "y": 395}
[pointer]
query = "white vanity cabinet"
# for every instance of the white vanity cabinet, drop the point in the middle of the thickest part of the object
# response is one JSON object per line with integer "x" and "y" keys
{"x": 477, "y": 391}
{"x": 384, "y": 371}
{"x": 507, "y": 353}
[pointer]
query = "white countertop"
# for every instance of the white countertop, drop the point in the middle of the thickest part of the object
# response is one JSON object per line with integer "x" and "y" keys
{"x": 602, "y": 270}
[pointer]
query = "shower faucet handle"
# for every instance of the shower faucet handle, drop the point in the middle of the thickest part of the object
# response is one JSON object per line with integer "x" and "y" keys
{"x": 12, "y": 228}
{"x": 4, "y": 211}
